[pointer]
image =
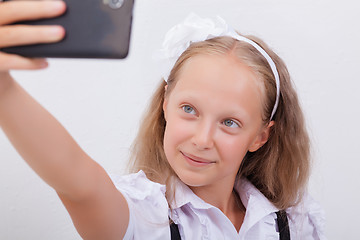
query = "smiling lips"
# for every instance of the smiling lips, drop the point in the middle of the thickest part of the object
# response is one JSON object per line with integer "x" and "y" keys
{"x": 196, "y": 161}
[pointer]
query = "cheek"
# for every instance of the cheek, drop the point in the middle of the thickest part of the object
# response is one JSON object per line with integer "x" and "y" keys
{"x": 233, "y": 149}
{"x": 178, "y": 130}
{"x": 167, "y": 144}
{"x": 176, "y": 134}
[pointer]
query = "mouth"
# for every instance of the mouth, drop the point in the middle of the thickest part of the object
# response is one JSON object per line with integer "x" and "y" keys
{"x": 196, "y": 161}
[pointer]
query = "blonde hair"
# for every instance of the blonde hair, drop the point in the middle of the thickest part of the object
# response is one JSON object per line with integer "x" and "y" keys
{"x": 279, "y": 169}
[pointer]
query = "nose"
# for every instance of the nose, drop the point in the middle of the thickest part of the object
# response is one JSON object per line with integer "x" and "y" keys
{"x": 203, "y": 137}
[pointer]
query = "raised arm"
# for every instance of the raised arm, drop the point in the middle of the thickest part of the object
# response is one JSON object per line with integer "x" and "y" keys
{"x": 98, "y": 210}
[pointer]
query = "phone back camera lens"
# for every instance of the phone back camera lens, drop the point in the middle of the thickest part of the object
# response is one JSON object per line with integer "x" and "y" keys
{"x": 115, "y": 4}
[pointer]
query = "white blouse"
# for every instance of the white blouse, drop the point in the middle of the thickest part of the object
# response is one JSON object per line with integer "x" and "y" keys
{"x": 196, "y": 219}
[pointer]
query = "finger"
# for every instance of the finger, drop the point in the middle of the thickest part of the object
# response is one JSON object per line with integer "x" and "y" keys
{"x": 14, "y": 11}
{"x": 25, "y": 35}
{"x": 12, "y": 61}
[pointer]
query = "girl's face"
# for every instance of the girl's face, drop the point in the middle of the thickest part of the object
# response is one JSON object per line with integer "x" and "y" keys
{"x": 214, "y": 116}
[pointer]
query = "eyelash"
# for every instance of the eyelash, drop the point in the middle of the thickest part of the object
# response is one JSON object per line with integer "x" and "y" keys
{"x": 232, "y": 121}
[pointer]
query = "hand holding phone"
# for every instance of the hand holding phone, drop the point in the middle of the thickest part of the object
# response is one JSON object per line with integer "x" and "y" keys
{"x": 16, "y": 35}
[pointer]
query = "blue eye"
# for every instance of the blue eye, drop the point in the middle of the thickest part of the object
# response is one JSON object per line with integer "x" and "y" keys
{"x": 230, "y": 123}
{"x": 188, "y": 109}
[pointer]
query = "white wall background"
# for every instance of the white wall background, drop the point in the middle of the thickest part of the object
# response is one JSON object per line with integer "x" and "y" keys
{"x": 100, "y": 103}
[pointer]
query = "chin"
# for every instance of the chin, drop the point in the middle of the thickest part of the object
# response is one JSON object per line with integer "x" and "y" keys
{"x": 192, "y": 179}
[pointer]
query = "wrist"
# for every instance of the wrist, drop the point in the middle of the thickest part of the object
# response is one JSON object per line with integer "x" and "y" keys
{"x": 6, "y": 81}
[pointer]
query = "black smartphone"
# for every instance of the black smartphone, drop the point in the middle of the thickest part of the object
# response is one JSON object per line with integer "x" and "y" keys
{"x": 94, "y": 29}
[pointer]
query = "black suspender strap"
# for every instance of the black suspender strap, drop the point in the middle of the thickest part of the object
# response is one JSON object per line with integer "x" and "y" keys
{"x": 282, "y": 222}
{"x": 283, "y": 225}
{"x": 175, "y": 234}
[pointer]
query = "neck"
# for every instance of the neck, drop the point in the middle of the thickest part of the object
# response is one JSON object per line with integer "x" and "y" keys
{"x": 219, "y": 197}
{"x": 224, "y": 198}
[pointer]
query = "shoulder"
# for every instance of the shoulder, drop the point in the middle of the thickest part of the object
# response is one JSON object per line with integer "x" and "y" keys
{"x": 307, "y": 219}
{"x": 137, "y": 186}
{"x": 147, "y": 204}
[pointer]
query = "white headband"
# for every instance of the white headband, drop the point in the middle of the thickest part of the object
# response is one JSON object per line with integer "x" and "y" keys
{"x": 196, "y": 29}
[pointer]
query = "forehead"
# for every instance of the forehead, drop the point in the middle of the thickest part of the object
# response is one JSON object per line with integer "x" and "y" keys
{"x": 220, "y": 78}
{"x": 221, "y": 69}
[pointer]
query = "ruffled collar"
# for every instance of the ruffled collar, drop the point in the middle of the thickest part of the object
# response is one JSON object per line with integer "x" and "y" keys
{"x": 256, "y": 204}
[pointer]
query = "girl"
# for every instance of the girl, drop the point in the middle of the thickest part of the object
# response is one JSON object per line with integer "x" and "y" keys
{"x": 222, "y": 153}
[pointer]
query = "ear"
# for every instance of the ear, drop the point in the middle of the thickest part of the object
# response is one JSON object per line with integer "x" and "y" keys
{"x": 165, "y": 102}
{"x": 261, "y": 138}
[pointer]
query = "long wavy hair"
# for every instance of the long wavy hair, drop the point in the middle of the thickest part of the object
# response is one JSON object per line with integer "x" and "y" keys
{"x": 279, "y": 169}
